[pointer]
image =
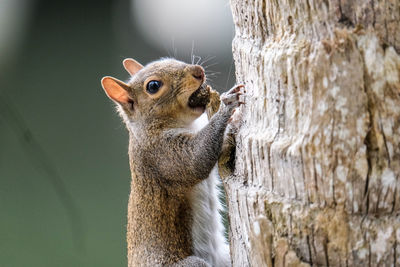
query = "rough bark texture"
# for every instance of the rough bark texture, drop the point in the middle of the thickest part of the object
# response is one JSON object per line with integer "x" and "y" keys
{"x": 317, "y": 165}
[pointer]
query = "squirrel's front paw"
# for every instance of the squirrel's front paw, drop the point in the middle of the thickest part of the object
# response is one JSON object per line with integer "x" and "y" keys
{"x": 231, "y": 99}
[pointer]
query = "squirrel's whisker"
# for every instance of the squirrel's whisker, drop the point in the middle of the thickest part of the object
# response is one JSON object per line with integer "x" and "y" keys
{"x": 208, "y": 58}
{"x": 210, "y": 65}
{"x": 192, "y": 55}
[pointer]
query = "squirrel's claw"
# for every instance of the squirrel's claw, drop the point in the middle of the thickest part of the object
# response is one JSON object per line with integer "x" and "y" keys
{"x": 236, "y": 89}
{"x": 231, "y": 98}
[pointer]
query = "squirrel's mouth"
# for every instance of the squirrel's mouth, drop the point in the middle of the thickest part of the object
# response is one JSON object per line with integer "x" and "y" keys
{"x": 200, "y": 98}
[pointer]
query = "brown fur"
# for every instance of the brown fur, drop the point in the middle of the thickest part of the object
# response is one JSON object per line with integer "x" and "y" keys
{"x": 166, "y": 161}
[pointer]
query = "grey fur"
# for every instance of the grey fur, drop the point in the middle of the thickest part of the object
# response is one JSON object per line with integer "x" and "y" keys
{"x": 167, "y": 160}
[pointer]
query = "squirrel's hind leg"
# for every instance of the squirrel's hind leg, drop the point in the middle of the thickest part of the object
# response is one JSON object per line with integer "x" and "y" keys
{"x": 191, "y": 261}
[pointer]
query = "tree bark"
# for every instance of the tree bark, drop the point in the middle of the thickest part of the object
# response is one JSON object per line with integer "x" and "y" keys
{"x": 317, "y": 164}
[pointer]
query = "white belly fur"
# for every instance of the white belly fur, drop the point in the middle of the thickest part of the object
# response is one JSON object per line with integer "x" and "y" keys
{"x": 207, "y": 230}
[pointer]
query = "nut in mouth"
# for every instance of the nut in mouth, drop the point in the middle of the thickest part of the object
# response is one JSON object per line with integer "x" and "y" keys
{"x": 200, "y": 98}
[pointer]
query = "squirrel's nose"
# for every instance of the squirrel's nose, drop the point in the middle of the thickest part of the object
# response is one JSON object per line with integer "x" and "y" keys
{"x": 198, "y": 72}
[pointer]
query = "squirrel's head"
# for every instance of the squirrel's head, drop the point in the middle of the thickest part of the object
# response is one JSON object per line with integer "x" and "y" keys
{"x": 166, "y": 90}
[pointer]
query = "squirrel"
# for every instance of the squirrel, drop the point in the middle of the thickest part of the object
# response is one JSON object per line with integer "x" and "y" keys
{"x": 173, "y": 209}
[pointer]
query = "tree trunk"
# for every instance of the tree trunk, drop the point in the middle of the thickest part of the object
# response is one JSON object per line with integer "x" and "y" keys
{"x": 317, "y": 165}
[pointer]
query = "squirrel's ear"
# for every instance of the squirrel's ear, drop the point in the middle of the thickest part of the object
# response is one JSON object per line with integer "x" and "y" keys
{"x": 116, "y": 90}
{"x": 132, "y": 66}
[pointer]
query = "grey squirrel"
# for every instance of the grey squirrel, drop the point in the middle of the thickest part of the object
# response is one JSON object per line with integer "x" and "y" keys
{"x": 173, "y": 216}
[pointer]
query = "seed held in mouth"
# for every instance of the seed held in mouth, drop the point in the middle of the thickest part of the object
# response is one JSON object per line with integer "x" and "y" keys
{"x": 200, "y": 97}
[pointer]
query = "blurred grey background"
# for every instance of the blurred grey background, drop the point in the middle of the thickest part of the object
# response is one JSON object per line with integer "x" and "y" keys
{"x": 64, "y": 174}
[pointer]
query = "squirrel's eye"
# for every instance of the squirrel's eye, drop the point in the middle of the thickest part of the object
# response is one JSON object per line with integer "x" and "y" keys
{"x": 153, "y": 86}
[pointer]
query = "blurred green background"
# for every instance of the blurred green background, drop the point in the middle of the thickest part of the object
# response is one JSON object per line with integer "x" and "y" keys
{"x": 64, "y": 174}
